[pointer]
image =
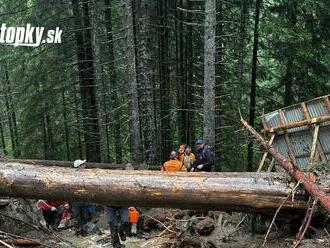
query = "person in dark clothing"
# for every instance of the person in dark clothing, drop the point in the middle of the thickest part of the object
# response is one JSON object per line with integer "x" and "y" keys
{"x": 81, "y": 220}
{"x": 113, "y": 213}
{"x": 204, "y": 157}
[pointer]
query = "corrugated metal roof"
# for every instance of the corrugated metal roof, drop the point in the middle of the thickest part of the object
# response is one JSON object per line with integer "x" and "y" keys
{"x": 298, "y": 141}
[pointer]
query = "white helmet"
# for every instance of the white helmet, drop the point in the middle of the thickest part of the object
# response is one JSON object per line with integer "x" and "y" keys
{"x": 78, "y": 163}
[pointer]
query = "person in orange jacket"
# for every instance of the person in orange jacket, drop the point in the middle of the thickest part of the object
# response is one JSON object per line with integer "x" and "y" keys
{"x": 173, "y": 164}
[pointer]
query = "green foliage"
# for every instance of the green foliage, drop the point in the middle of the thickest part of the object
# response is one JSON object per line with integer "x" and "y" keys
{"x": 294, "y": 41}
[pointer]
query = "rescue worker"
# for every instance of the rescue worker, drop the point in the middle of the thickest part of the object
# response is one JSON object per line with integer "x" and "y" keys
{"x": 181, "y": 151}
{"x": 205, "y": 157}
{"x": 124, "y": 227}
{"x": 139, "y": 225}
{"x": 189, "y": 158}
{"x": 52, "y": 212}
{"x": 173, "y": 164}
{"x": 82, "y": 214}
{"x": 119, "y": 228}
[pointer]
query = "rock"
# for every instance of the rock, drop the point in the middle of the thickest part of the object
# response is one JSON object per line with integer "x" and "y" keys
{"x": 205, "y": 227}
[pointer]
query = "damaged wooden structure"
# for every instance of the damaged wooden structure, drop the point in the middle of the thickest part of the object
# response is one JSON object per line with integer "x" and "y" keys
{"x": 300, "y": 132}
{"x": 299, "y": 138}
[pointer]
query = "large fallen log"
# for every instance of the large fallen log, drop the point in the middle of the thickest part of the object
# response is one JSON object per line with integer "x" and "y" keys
{"x": 305, "y": 178}
{"x": 89, "y": 165}
{"x": 259, "y": 192}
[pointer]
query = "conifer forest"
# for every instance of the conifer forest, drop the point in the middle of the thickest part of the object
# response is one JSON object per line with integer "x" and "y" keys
{"x": 130, "y": 80}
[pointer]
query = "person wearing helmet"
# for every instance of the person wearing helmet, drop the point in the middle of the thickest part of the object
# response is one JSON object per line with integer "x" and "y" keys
{"x": 79, "y": 163}
{"x": 204, "y": 157}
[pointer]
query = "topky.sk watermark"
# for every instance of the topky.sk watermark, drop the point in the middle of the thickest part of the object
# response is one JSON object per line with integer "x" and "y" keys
{"x": 29, "y": 36}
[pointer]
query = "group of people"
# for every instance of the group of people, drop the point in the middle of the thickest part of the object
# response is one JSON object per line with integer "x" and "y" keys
{"x": 185, "y": 160}
{"x": 57, "y": 214}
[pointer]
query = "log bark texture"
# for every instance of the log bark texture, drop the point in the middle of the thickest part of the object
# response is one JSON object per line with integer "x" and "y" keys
{"x": 219, "y": 191}
{"x": 306, "y": 179}
{"x": 89, "y": 165}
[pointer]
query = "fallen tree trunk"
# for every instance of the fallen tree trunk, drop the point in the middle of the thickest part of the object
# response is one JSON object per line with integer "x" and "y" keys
{"x": 89, "y": 165}
{"x": 222, "y": 191}
{"x": 305, "y": 178}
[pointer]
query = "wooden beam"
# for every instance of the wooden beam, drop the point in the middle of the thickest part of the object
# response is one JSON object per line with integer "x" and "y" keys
{"x": 264, "y": 156}
{"x": 318, "y": 146}
{"x": 271, "y": 165}
{"x": 316, "y": 120}
{"x": 313, "y": 148}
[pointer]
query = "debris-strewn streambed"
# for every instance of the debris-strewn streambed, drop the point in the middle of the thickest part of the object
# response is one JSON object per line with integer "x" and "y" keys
{"x": 166, "y": 229}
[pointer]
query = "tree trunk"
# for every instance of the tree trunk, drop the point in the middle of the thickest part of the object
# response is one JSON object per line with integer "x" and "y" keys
{"x": 11, "y": 116}
{"x": 147, "y": 85}
{"x": 209, "y": 71}
{"x": 101, "y": 89}
{"x": 132, "y": 80}
{"x": 288, "y": 77}
{"x": 252, "y": 109}
{"x": 66, "y": 127}
{"x": 181, "y": 96}
{"x": 222, "y": 191}
{"x": 164, "y": 78}
{"x": 188, "y": 86}
{"x": 242, "y": 35}
{"x": 2, "y": 136}
{"x": 87, "y": 81}
{"x": 220, "y": 79}
{"x": 78, "y": 124}
{"x": 113, "y": 83}
{"x": 287, "y": 81}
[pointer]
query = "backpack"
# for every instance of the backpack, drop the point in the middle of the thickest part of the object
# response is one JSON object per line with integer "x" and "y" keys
{"x": 211, "y": 149}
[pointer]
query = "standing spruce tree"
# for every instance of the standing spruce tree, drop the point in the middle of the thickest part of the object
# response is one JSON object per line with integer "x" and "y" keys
{"x": 87, "y": 81}
{"x": 252, "y": 109}
{"x": 117, "y": 130}
{"x": 11, "y": 115}
{"x": 209, "y": 71}
{"x": 164, "y": 78}
{"x": 132, "y": 80}
{"x": 146, "y": 81}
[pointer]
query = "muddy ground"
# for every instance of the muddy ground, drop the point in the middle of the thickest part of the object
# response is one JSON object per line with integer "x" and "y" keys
{"x": 165, "y": 229}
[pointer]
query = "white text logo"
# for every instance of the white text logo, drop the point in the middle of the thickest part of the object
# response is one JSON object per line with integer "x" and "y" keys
{"x": 29, "y": 36}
